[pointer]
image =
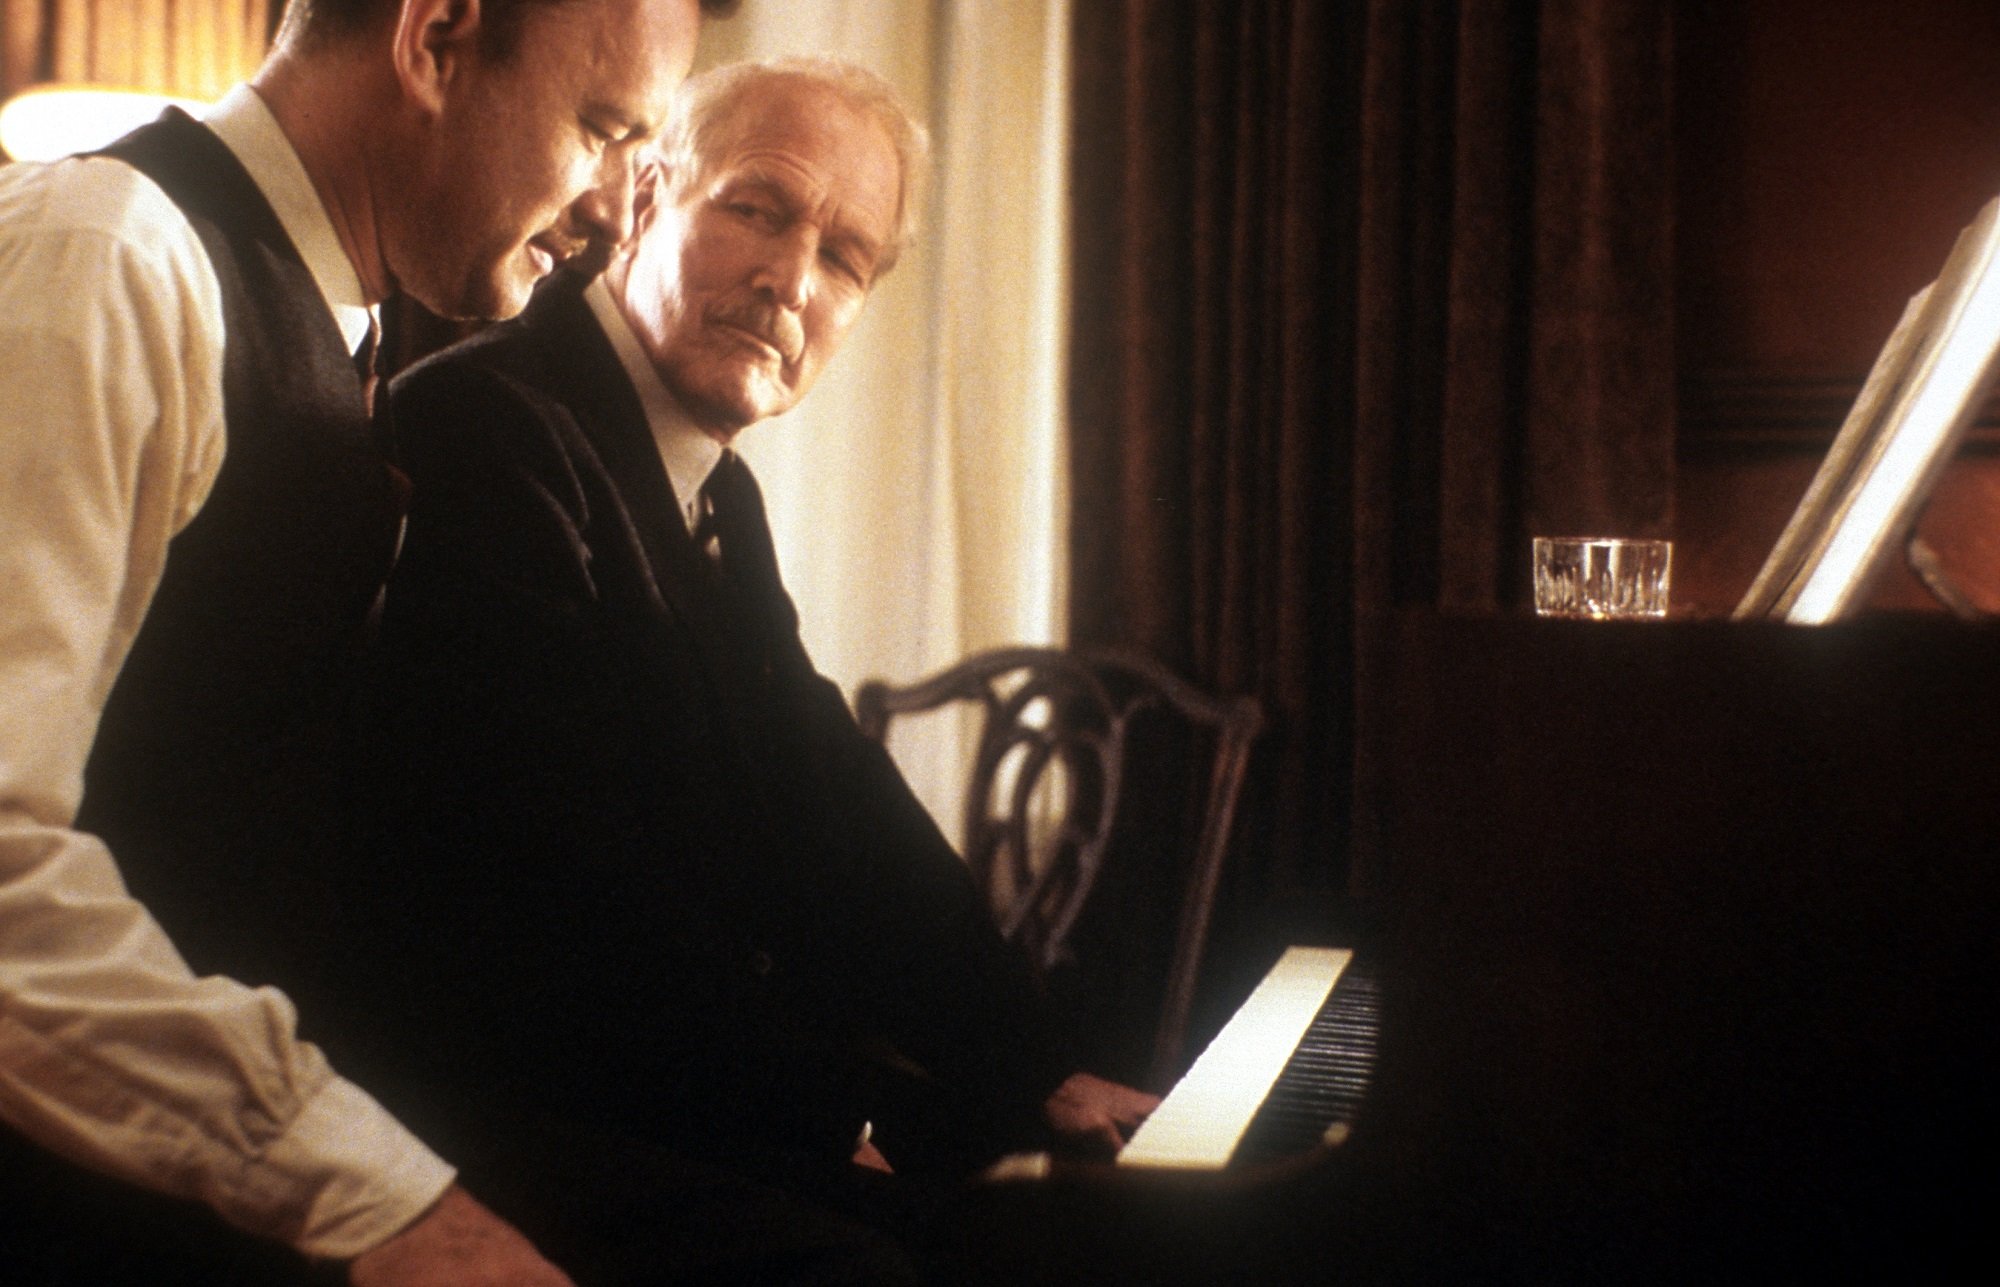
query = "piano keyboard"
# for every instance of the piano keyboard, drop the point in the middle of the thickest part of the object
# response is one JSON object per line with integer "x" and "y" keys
{"x": 1286, "y": 1073}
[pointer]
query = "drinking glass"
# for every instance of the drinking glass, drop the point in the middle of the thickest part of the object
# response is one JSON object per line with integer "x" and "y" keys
{"x": 1602, "y": 577}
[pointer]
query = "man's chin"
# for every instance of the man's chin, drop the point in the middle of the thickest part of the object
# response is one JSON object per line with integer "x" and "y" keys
{"x": 758, "y": 401}
{"x": 725, "y": 408}
{"x": 496, "y": 299}
{"x": 512, "y": 290}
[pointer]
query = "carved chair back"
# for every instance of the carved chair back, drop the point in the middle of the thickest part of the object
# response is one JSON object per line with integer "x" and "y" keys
{"x": 1063, "y": 791}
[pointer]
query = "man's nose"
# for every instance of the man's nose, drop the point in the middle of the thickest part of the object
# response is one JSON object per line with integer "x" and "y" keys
{"x": 784, "y": 274}
{"x": 605, "y": 210}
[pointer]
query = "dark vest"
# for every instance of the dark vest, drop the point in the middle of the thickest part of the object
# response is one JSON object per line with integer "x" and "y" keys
{"x": 213, "y": 776}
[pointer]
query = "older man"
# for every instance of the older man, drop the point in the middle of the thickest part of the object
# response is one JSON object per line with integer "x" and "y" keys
{"x": 194, "y": 523}
{"x": 654, "y": 874}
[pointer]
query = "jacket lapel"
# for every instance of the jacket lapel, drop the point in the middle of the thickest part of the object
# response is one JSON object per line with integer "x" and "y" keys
{"x": 595, "y": 387}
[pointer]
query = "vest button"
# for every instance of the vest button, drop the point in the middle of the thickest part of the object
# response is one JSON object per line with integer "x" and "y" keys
{"x": 761, "y": 963}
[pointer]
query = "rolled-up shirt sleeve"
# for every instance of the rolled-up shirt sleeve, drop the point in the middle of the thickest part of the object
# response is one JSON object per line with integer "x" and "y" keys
{"x": 112, "y": 1052}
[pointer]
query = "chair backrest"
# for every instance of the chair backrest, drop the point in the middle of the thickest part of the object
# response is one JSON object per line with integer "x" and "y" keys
{"x": 1066, "y": 810}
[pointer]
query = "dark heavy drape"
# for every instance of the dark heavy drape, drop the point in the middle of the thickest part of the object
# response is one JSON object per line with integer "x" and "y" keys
{"x": 1366, "y": 292}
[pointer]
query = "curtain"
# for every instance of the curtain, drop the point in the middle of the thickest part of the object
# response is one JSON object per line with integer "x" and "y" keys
{"x": 187, "y": 48}
{"x": 917, "y": 492}
{"x": 1365, "y": 294}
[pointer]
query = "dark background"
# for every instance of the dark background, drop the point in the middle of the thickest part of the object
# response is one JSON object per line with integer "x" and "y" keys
{"x": 1369, "y": 292}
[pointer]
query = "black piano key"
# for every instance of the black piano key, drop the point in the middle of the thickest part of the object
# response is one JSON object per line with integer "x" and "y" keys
{"x": 1327, "y": 1077}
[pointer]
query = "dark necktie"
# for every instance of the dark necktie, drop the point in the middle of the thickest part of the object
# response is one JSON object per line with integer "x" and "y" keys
{"x": 729, "y": 533}
{"x": 366, "y": 363}
{"x": 718, "y": 529}
{"x": 396, "y": 493}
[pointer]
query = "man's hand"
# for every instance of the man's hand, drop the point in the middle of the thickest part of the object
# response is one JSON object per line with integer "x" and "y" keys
{"x": 868, "y": 1156}
{"x": 457, "y": 1243}
{"x": 1096, "y": 1116}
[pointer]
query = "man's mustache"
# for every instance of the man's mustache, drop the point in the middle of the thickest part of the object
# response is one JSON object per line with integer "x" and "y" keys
{"x": 775, "y": 326}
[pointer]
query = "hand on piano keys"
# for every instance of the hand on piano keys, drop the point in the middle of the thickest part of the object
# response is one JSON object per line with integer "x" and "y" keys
{"x": 1227, "y": 1180}
{"x": 1095, "y": 1116}
{"x": 1294, "y": 1059}
{"x": 1283, "y": 1078}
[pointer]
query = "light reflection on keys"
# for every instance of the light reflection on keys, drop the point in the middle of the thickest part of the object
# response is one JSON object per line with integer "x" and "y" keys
{"x": 1316, "y": 1098}
{"x": 1198, "y": 1125}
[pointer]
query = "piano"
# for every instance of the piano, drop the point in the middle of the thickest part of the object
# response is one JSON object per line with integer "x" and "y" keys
{"x": 1686, "y": 969}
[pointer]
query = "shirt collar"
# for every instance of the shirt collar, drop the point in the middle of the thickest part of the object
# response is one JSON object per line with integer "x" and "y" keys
{"x": 245, "y": 125}
{"x": 687, "y": 452}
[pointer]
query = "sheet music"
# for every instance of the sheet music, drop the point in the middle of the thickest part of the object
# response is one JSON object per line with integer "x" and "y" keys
{"x": 1923, "y": 390}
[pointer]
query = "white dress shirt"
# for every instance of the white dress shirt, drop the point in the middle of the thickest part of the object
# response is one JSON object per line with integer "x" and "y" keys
{"x": 111, "y": 432}
{"x": 687, "y": 452}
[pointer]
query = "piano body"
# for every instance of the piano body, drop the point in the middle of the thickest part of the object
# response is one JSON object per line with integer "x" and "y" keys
{"x": 1687, "y": 972}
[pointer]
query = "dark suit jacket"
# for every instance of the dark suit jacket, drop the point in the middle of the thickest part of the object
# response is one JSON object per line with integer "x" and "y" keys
{"x": 634, "y": 857}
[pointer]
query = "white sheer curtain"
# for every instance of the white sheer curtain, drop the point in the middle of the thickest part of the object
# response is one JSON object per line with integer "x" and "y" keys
{"x": 919, "y": 494}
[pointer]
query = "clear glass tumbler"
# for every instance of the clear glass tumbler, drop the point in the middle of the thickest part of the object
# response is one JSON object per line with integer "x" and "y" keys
{"x": 1602, "y": 577}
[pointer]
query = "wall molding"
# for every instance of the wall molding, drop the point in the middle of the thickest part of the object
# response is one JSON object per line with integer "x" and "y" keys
{"x": 1735, "y": 412}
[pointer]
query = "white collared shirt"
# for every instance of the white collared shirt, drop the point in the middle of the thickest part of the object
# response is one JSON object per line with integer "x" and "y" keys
{"x": 688, "y": 454}
{"x": 111, "y": 432}
{"x": 245, "y": 124}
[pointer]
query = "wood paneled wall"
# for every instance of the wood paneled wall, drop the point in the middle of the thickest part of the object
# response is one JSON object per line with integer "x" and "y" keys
{"x": 1827, "y": 156}
{"x": 195, "y": 48}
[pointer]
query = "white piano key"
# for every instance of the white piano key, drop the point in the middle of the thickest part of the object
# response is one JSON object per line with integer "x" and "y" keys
{"x": 1199, "y": 1124}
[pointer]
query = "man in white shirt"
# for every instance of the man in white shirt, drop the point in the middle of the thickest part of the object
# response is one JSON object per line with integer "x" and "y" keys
{"x": 179, "y": 320}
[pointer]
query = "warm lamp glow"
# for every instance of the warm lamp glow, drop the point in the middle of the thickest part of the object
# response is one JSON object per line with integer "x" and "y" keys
{"x": 51, "y": 121}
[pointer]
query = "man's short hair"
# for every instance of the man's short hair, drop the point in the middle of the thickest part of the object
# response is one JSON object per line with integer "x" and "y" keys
{"x": 314, "y": 22}
{"x": 708, "y": 102}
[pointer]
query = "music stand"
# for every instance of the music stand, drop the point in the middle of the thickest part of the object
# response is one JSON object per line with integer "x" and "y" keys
{"x": 1922, "y": 393}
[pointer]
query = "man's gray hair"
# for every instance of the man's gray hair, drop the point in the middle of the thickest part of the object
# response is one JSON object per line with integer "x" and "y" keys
{"x": 708, "y": 102}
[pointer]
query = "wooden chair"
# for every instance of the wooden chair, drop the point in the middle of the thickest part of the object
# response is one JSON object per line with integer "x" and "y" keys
{"x": 1099, "y": 779}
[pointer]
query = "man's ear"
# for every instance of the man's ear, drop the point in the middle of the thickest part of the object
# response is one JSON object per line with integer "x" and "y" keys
{"x": 433, "y": 41}
{"x": 649, "y": 191}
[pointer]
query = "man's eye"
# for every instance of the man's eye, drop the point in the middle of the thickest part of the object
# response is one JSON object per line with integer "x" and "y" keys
{"x": 843, "y": 263}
